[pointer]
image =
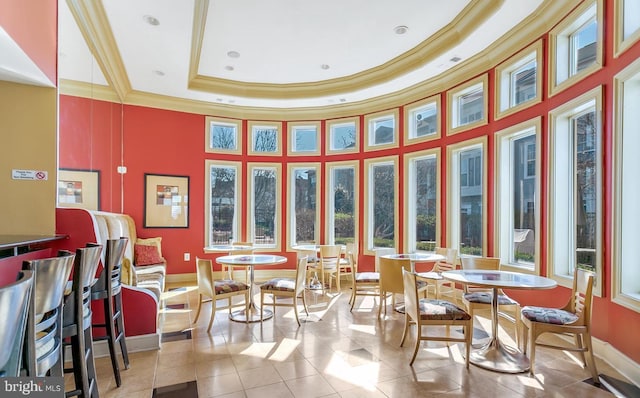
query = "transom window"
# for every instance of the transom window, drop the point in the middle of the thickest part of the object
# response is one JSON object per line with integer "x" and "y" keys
{"x": 342, "y": 135}
{"x": 518, "y": 81}
{"x": 304, "y": 139}
{"x": 265, "y": 139}
{"x": 468, "y": 106}
{"x": 381, "y": 130}
{"x": 222, "y": 135}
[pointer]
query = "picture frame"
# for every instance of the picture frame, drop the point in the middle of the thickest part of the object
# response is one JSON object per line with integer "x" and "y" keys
{"x": 166, "y": 201}
{"x": 78, "y": 188}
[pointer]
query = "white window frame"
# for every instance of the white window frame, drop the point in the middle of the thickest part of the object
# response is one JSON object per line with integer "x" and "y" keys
{"x": 454, "y": 125}
{"x": 625, "y": 36}
{"x": 291, "y": 200}
{"x": 411, "y": 129}
{"x": 560, "y": 57}
{"x": 503, "y": 204}
{"x": 237, "y": 166}
{"x": 370, "y": 123}
{"x": 453, "y": 191}
{"x": 369, "y": 165}
{"x": 561, "y": 251}
{"x": 230, "y": 123}
{"x": 331, "y": 167}
{"x": 410, "y": 216}
{"x": 331, "y": 125}
{"x": 625, "y": 284}
{"x": 294, "y": 130}
{"x": 504, "y": 85}
{"x": 277, "y": 168}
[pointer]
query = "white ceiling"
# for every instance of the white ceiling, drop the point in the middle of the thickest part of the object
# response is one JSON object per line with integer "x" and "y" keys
{"x": 282, "y": 45}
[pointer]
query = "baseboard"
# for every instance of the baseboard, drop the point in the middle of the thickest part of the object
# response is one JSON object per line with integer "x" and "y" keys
{"x": 145, "y": 342}
{"x": 187, "y": 279}
{"x": 260, "y": 275}
{"x": 618, "y": 360}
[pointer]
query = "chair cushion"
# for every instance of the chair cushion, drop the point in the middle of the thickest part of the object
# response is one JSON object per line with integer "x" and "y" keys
{"x": 280, "y": 284}
{"x": 485, "y": 298}
{"x": 368, "y": 277}
{"x": 441, "y": 310}
{"x": 548, "y": 315}
{"x": 146, "y": 255}
{"x": 228, "y": 286}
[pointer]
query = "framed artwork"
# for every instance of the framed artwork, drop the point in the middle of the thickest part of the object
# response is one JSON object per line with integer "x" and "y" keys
{"x": 79, "y": 189}
{"x": 166, "y": 202}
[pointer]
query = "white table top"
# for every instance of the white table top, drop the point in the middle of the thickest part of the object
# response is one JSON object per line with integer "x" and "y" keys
{"x": 500, "y": 279}
{"x": 310, "y": 248}
{"x": 226, "y": 248}
{"x": 251, "y": 259}
{"x": 416, "y": 257}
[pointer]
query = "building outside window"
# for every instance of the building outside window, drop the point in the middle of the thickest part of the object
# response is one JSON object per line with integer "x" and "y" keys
{"x": 523, "y": 83}
{"x": 583, "y": 45}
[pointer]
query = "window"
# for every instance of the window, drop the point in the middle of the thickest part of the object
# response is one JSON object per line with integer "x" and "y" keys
{"x": 422, "y": 201}
{"x": 575, "y": 187}
{"x": 467, "y": 106}
{"x": 264, "y": 204}
{"x": 626, "y": 251}
{"x": 517, "y": 196}
{"x": 303, "y": 213}
{"x": 627, "y": 24}
{"x": 342, "y": 202}
{"x": 381, "y": 130}
{"x": 423, "y": 120}
{"x": 265, "y": 139}
{"x": 222, "y": 136}
{"x": 222, "y": 202}
{"x": 304, "y": 139}
{"x": 518, "y": 81}
{"x": 381, "y": 190}
{"x": 467, "y": 193}
{"x": 342, "y": 135}
{"x": 576, "y": 46}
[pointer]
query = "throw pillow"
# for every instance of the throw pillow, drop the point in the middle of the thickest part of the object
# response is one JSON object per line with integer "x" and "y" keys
{"x": 157, "y": 242}
{"x": 146, "y": 255}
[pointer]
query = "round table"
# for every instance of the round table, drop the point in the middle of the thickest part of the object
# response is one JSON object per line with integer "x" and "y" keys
{"x": 494, "y": 355}
{"x": 250, "y": 261}
{"x": 224, "y": 248}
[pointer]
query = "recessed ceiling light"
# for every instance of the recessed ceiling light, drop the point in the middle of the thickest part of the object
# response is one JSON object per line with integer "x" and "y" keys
{"x": 343, "y": 100}
{"x": 219, "y": 99}
{"x": 400, "y": 29}
{"x": 455, "y": 59}
{"x": 325, "y": 66}
{"x": 229, "y": 67}
{"x": 233, "y": 54}
{"x": 151, "y": 20}
{"x": 231, "y": 101}
{"x": 158, "y": 72}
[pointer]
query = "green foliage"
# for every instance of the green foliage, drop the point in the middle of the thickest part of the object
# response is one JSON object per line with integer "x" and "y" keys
{"x": 344, "y": 225}
{"x": 426, "y": 246}
{"x": 525, "y": 257}
{"x": 471, "y": 250}
{"x": 382, "y": 242}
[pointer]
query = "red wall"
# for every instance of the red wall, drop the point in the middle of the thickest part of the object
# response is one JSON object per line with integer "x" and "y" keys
{"x": 34, "y": 26}
{"x": 168, "y": 142}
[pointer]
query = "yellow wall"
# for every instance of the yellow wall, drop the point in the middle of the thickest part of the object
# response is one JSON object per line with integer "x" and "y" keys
{"x": 28, "y": 134}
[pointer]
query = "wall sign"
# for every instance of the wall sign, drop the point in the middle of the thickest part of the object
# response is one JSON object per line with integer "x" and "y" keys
{"x": 29, "y": 175}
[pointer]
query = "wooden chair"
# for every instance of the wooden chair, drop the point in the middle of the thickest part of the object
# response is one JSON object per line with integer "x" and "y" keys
{"x": 328, "y": 264}
{"x": 239, "y": 252}
{"x": 479, "y": 298}
{"x": 364, "y": 283}
{"x": 391, "y": 282}
{"x": 346, "y": 263}
{"x": 428, "y": 312}
{"x": 14, "y": 308}
{"x": 574, "y": 318}
{"x": 448, "y": 264}
{"x": 213, "y": 290}
{"x": 286, "y": 287}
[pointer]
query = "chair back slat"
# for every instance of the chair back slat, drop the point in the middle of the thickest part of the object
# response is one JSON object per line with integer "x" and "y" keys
{"x": 330, "y": 255}
{"x": 382, "y": 251}
{"x": 449, "y": 263}
{"x": 204, "y": 274}
{"x": 582, "y": 295}
{"x": 411, "y": 306}
{"x": 301, "y": 273}
{"x": 14, "y": 307}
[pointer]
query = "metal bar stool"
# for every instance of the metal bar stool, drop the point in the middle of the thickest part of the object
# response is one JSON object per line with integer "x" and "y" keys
{"x": 108, "y": 290}
{"x": 43, "y": 344}
{"x": 77, "y": 322}
{"x": 14, "y": 307}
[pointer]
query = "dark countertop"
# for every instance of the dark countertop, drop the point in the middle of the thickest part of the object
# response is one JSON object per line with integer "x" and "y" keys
{"x": 11, "y": 241}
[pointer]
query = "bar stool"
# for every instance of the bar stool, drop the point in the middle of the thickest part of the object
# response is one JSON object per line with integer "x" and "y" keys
{"x": 14, "y": 307}
{"x": 108, "y": 290}
{"x": 76, "y": 321}
{"x": 43, "y": 343}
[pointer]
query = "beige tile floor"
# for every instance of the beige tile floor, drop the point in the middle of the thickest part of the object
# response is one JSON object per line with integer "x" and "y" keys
{"x": 335, "y": 353}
